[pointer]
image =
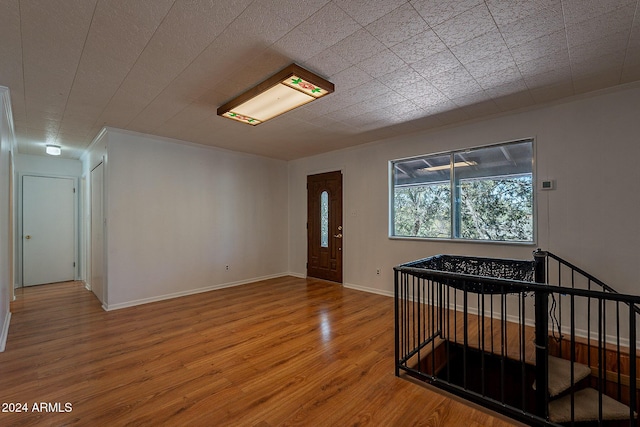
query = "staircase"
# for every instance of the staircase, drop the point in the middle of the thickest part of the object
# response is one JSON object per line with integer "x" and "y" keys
{"x": 464, "y": 324}
{"x": 585, "y": 400}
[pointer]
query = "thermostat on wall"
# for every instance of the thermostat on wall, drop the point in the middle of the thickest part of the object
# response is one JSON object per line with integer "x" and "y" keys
{"x": 549, "y": 184}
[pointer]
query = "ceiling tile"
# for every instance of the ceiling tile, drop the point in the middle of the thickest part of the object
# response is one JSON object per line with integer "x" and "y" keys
{"x": 328, "y": 63}
{"x": 540, "y": 47}
{"x": 296, "y": 11}
{"x": 75, "y": 123}
{"x": 418, "y": 47}
{"x": 398, "y": 26}
{"x": 430, "y": 98}
{"x": 163, "y": 66}
{"x": 489, "y": 44}
{"x": 576, "y": 11}
{"x": 270, "y": 60}
{"x": 436, "y": 64}
{"x": 497, "y": 78}
{"x": 43, "y": 121}
{"x": 395, "y": 113}
{"x": 350, "y": 78}
{"x": 298, "y": 46}
{"x": 614, "y": 25}
{"x": 347, "y": 113}
{"x": 11, "y": 70}
{"x": 356, "y": 95}
{"x": 367, "y": 11}
{"x": 470, "y": 99}
{"x": 109, "y": 55}
{"x": 553, "y": 61}
{"x": 541, "y": 23}
{"x": 437, "y": 11}
{"x": 329, "y": 25}
{"x": 52, "y": 40}
{"x": 466, "y": 26}
{"x": 499, "y": 61}
{"x": 162, "y": 108}
{"x": 407, "y": 82}
{"x": 184, "y": 34}
{"x": 510, "y": 88}
{"x": 505, "y": 12}
{"x": 358, "y": 46}
{"x": 257, "y": 21}
{"x": 382, "y": 63}
{"x": 380, "y": 102}
{"x": 377, "y": 105}
{"x": 455, "y": 83}
{"x": 192, "y": 116}
{"x": 453, "y": 91}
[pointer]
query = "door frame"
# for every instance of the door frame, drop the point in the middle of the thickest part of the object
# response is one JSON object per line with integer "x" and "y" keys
{"x": 342, "y": 252}
{"x": 89, "y": 237}
{"x": 19, "y": 224}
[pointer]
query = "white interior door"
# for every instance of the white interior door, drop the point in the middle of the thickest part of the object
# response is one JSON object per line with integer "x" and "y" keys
{"x": 97, "y": 233}
{"x": 48, "y": 235}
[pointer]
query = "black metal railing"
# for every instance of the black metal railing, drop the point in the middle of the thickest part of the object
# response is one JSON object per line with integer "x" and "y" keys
{"x": 484, "y": 329}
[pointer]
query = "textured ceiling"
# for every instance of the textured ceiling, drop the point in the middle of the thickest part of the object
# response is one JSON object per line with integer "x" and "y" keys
{"x": 163, "y": 66}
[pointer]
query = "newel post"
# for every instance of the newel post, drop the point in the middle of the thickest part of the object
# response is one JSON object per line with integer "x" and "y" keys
{"x": 542, "y": 337}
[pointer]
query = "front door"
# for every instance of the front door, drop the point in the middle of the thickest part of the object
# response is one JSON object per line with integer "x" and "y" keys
{"x": 48, "y": 223}
{"x": 324, "y": 226}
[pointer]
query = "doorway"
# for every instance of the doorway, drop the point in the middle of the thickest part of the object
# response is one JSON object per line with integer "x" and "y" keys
{"x": 324, "y": 226}
{"x": 48, "y": 230}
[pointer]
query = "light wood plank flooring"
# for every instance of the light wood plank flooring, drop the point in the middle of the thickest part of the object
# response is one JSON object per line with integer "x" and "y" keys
{"x": 279, "y": 352}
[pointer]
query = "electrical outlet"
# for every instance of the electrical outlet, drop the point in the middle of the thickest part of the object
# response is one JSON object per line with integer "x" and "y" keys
{"x": 226, "y": 267}
{"x": 377, "y": 271}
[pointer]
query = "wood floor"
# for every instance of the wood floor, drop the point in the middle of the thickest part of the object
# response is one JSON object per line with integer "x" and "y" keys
{"x": 280, "y": 352}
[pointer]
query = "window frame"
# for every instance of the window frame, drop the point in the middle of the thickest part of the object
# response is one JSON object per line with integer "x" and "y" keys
{"x": 455, "y": 214}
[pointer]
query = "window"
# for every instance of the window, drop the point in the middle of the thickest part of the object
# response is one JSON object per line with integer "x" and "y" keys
{"x": 483, "y": 194}
{"x": 324, "y": 219}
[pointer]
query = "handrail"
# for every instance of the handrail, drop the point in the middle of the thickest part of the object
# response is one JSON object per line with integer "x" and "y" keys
{"x": 518, "y": 285}
{"x": 436, "y": 303}
{"x": 587, "y": 276}
{"x": 581, "y": 271}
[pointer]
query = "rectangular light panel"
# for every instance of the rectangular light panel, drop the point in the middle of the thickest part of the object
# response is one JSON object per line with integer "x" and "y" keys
{"x": 290, "y": 88}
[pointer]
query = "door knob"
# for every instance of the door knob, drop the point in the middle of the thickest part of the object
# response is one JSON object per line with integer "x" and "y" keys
{"x": 27, "y": 237}
{"x": 339, "y": 235}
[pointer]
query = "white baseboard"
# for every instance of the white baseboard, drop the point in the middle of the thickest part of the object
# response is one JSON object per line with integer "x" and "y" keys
{"x": 369, "y": 290}
{"x": 5, "y": 331}
{"x": 111, "y": 307}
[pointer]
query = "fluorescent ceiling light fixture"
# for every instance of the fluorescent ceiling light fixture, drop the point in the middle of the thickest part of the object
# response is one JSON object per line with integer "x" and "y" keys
{"x": 290, "y": 88}
{"x": 445, "y": 167}
{"x": 53, "y": 150}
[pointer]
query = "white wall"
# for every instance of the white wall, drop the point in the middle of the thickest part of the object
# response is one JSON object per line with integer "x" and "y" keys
{"x": 589, "y": 145}
{"x": 177, "y": 214}
{"x": 47, "y": 165}
{"x": 7, "y": 140}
